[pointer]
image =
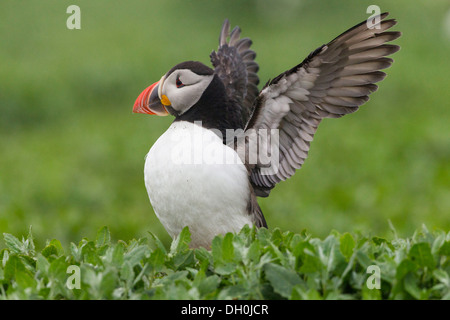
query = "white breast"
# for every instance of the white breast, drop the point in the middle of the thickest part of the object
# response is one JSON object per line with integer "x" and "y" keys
{"x": 194, "y": 180}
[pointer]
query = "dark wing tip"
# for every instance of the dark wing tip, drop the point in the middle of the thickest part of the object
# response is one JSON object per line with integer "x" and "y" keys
{"x": 234, "y": 63}
{"x": 235, "y": 35}
{"x": 224, "y": 32}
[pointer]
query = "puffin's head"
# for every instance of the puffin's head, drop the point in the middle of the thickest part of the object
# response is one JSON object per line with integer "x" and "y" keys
{"x": 177, "y": 91}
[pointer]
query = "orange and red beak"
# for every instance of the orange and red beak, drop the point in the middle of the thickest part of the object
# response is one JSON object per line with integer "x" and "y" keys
{"x": 149, "y": 102}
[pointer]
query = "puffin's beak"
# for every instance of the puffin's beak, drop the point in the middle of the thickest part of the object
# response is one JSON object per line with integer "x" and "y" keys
{"x": 149, "y": 102}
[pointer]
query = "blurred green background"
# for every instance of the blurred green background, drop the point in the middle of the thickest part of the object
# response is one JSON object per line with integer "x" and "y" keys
{"x": 72, "y": 151}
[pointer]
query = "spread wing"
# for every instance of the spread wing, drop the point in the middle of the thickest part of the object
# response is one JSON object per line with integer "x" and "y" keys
{"x": 332, "y": 81}
{"x": 234, "y": 63}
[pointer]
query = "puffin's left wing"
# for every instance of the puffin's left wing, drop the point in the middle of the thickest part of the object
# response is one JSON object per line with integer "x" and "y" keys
{"x": 332, "y": 81}
{"x": 234, "y": 64}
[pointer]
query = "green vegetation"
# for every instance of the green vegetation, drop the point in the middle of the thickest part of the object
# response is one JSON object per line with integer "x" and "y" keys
{"x": 254, "y": 264}
{"x": 72, "y": 152}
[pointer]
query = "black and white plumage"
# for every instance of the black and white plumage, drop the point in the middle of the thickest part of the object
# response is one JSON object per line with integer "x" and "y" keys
{"x": 197, "y": 177}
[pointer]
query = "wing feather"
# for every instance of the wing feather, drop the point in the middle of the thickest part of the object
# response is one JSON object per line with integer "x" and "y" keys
{"x": 334, "y": 80}
{"x": 234, "y": 64}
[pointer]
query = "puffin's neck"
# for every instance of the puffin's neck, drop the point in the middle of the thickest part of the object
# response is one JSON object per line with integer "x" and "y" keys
{"x": 214, "y": 110}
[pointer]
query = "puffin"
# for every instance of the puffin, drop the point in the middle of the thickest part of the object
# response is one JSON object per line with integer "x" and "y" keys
{"x": 230, "y": 143}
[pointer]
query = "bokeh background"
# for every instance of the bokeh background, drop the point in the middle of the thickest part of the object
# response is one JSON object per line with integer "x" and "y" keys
{"x": 72, "y": 152}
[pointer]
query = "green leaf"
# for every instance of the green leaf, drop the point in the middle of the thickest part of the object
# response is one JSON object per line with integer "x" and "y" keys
{"x": 405, "y": 267}
{"x": 103, "y": 237}
{"x": 217, "y": 249}
{"x": 12, "y": 243}
{"x": 370, "y": 294}
{"x": 157, "y": 259}
{"x": 420, "y": 253}
{"x": 42, "y": 264}
{"x": 410, "y": 283}
{"x": 264, "y": 236}
{"x": 29, "y": 243}
{"x": 4, "y": 255}
{"x": 445, "y": 249}
{"x": 223, "y": 254}
{"x": 127, "y": 273}
{"x": 13, "y": 266}
{"x": 301, "y": 293}
{"x": 118, "y": 254}
{"x": 225, "y": 268}
{"x": 347, "y": 244}
{"x": 135, "y": 256}
{"x": 58, "y": 270}
{"x": 181, "y": 242}
{"x": 89, "y": 253}
{"x": 363, "y": 259}
{"x": 227, "y": 248}
{"x": 254, "y": 252}
{"x": 25, "y": 280}
{"x": 203, "y": 255}
{"x": 208, "y": 285}
{"x": 91, "y": 280}
{"x": 49, "y": 250}
{"x": 442, "y": 277}
{"x": 154, "y": 242}
{"x": 277, "y": 237}
{"x": 233, "y": 292}
{"x": 57, "y": 244}
{"x": 438, "y": 243}
{"x": 311, "y": 263}
{"x": 177, "y": 278}
{"x": 75, "y": 252}
{"x": 183, "y": 259}
{"x": 379, "y": 241}
{"x": 108, "y": 284}
{"x": 281, "y": 279}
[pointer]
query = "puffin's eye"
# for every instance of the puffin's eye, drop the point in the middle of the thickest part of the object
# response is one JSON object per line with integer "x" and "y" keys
{"x": 179, "y": 83}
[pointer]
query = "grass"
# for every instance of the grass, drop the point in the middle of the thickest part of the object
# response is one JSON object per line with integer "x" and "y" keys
{"x": 73, "y": 153}
{"x": 253, "y": 264}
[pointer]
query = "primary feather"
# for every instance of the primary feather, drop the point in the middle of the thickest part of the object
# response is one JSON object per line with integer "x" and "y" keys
{"x": 334, "y": 80}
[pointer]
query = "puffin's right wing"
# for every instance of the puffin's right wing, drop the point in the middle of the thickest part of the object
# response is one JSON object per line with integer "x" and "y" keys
{"x": 234, "y": 64}
{"x": 332, "y": 81}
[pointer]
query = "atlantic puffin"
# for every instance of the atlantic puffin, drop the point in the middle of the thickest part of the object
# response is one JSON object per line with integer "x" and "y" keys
{"x": 231, "y": 143}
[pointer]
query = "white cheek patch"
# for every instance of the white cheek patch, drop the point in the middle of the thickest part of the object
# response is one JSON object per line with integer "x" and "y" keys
{"x": 161, "y": 84}
{"x": 187, "y": 77}
{"x": 183, "y": 98}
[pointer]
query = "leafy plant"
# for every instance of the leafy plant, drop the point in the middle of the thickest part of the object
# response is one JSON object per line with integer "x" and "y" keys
{"x": 253, "y": 264}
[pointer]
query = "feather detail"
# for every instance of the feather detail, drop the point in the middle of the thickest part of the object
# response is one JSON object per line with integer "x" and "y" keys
{"x": 334, "y": 80}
